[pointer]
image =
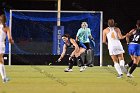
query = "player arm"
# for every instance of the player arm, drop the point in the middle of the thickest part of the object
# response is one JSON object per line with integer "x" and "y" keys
{"x": 120, "y": 34}
{"x": 76, "y": 47}
{"x": 76, "y": 38}
{"x": 90, "y": 36}
{"x": 128, "y": 35}
{"x": 63, "y": 53}
{"x": 7, "y": 30}
{"x": 127, "y": 40}
{"x": 104, "y": 37}
{"x": 77, "y": 35}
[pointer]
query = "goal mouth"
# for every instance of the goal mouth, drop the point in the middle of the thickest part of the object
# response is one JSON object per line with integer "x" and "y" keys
{"x": 33, "y": 30}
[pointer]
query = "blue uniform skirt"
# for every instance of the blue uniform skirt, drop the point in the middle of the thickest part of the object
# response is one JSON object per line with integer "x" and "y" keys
{"x": 134, "y": 49}
{"x": 80, "y": 44}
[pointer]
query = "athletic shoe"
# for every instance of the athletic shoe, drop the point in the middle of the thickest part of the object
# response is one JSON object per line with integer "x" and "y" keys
{"x": 120, "y": 76}
{"x": 130, "y": 75}
{"x": 68, "y": 70}
{"x": 82, "y": 68}
{"x": 5, "y": 80}
{"x": 90, "y": 65}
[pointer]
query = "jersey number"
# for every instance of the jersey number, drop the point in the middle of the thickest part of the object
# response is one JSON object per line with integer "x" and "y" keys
{"x": 136, "y": 37}
{"x": 113, "y": 35}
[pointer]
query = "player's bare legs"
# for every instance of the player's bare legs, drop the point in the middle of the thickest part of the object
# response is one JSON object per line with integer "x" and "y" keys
{"x": 122, "y": 63}
{"x": 136, "y": 60}
{"x": 77, "y": 55}
{"x": 116, "y": 65}
{"x": 2, "y": 69}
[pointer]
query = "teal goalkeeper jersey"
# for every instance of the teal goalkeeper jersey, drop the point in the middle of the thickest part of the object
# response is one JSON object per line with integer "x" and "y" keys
{"x": 83, "y": 35}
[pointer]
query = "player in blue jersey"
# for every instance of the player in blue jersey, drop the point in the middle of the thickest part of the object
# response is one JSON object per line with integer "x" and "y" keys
{"x": 134, "y": 48}
{"x": 79, "y": 48}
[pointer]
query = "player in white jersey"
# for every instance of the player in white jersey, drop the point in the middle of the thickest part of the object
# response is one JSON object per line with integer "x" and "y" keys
{"x": 114, "y": 44}
{"x": 4, "y": 30}
{"x": 113, "y": 34}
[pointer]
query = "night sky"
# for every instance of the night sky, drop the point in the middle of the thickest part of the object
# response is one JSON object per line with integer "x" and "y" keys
{"x": 124, "y": 12}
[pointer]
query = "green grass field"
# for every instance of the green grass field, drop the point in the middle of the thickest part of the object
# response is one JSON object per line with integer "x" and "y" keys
{"x": 52, "y": 79}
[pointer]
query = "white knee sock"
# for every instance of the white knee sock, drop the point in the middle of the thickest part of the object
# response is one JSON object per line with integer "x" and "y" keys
{"x": 122, "y": 63}
{"x": 117, "y": 67}
{"x": 2, "y": 71}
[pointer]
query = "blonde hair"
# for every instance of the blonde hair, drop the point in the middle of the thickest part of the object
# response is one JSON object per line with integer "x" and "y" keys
{"x": 84, "y": 24}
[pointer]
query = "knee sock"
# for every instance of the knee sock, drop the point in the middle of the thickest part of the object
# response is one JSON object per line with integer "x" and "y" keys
{"x": 71, "y": 62}
{"x": 133, "y": 67}
{"x": 117, "y": 67}
{"x": 130, "y": 63}
{"x": 122, "y": 63}
{"x": 2, "y": 71}
{"x": 81, "y": 61}
{"x": 122, "y": 66}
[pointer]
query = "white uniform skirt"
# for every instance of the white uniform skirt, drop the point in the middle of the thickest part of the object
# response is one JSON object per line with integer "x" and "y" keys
{"x": 2, "y": 47}
{"x": 115, "y": 48}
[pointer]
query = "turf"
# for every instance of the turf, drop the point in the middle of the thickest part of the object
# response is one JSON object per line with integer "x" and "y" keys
{"x": 52, "y": 79}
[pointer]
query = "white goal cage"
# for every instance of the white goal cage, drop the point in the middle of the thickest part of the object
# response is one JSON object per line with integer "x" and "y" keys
{"x": 52, "y": 11}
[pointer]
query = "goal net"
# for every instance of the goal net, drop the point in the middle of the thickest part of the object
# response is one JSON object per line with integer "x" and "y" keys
{"x": 33, "y": 30}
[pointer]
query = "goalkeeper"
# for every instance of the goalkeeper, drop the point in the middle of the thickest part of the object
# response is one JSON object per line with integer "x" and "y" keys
{"x": 84, "y": 36}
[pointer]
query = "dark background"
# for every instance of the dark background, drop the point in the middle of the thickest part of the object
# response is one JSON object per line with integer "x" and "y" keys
{"x": 124, "y": 12}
